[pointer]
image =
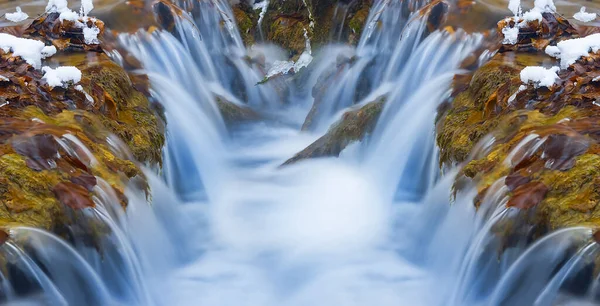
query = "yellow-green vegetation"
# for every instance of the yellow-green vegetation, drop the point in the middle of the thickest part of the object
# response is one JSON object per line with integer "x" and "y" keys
{"x": 58, "y": 143}
{"x": 246, "y": 19}
{"x": 357, "y": 22}
{"x": 543, "y": 144}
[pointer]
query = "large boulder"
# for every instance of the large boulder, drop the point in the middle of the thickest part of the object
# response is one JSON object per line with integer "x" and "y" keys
{"x": 543, "y": 143}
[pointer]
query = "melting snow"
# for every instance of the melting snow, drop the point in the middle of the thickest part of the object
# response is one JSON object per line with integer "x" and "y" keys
{"x": 68, "y": 15}
{"x": 262, "y": 6}
{"x": 521, "y": 19}
{"x": 570, "y": 50}
{"x": 284, "y": 67}
{"x": 17, "y": 16}
{"x": 584, "y": 16}
{"x": 511, "y": 35}
{"x": 515, "y": 7}
{"x": 514, "y": 96}
{"x": 91, "y": 35}
{"x": 540, "y": 76}
{"x": 61, "y": 76}
{"x": 87, "y": 96}
{"x": 86, "y": 7}
{"x": 48, "y": 51}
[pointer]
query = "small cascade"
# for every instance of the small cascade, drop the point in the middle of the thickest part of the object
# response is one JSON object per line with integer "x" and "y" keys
{"x": 412, "y": 102}
{"x": 351, "y": 78}
{"x": 225, "y": 224}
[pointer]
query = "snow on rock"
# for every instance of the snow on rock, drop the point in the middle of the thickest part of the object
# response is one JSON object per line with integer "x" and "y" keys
{"x": 511, "y": 35}
{"x": 545, "y": 5}
{"x": 515, "y": 7}
{"x": 48, "y": 51}
{"x": 68, "y": 15}
{"x": 87, "y": 96}
{"x": 262, "y": 6}
{"x": 91, "y": 35}
{"x": 4, "y": 79}
{"x": 61, "y": 76}
{"x": 29, "y": 50}
{"x": 86, "y": 7}
{"x": 570, "y": 50}
{"x": 540, "y": 76}
{"x": 284, "y": 67}
{"x": 17, "y": 16}
{"x": 57, "y": 6}
{"x": 532, "y": 15}
{"x": 584, "y": 16}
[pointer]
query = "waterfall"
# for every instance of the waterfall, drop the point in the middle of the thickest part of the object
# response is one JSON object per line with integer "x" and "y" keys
{"x": 224, "y": 224}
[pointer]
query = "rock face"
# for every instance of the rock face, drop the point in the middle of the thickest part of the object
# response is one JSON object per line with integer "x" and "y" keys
{"x": 355, "y": 125}
{"x": 56, "y": 143}
{"x": 544, "y": 147}
{"x": 286, "y": 22}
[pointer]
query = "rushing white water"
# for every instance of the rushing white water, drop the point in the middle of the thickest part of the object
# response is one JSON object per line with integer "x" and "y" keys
{"x": 226, "y": 225}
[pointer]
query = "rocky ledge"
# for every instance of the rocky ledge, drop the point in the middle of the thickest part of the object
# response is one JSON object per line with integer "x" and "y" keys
{"x": 60, "y": 109}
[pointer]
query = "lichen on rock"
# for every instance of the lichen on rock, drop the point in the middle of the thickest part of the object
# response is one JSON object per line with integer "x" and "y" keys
{"x": 56, "y": 142}
{"x": 543, "y": 142}
{"x": 354, "y": 126}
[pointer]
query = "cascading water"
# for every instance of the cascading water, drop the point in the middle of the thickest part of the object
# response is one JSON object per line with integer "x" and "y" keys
{"x": 228, "y": 226}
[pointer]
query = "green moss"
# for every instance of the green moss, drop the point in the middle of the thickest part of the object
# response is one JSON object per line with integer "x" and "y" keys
{"x": 25, "y": 195}
{"x": 246, "y": 24}
{"x": 354, "y": 126}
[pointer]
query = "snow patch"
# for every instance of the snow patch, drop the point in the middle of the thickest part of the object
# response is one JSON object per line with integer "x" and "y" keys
{"x": 540, "y": 76}
{"x": 596, "y": 79}
{"x": 546, "y": 6}
{"x": 61, "y": 76}
{"x": 511, "y": 35}
{"x": 570, "y": 50}
{"x": 584, "y": 16}
{"x": 57, "y": 6}
{"x": 29, "y": 50}
{"x": 4, "y": 79}
{"x": 17, "y": 16}
{"x": 91, "y": 35}
{"x": 48, "y": 51}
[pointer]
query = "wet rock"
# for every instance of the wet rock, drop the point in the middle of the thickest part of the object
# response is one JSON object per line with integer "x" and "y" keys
{"x": 544, "y": 141}
{"x": 354, "y": 126}
{"x": 57, "y": 141}
{"x": 73, "y": 195}
{"x": 233, "y": 113}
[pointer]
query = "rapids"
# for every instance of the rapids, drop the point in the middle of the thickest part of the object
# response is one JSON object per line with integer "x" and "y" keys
{"x": 227, "y": 225}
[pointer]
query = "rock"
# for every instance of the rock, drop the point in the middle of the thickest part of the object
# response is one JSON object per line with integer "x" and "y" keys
{"x": 354, "y": 126}
{"x": 56, "y": 142}
{"x": 545, "y": 140}
{"x": 286, "y": 21}
{"x": 233, "y": 113}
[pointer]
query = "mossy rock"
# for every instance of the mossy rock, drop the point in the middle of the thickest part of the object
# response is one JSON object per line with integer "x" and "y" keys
{"x": 355, "y": 125}
{"x": 58, "y": 143}
{"x": 544, "y": 144}
{"x": 233, "y": 113}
